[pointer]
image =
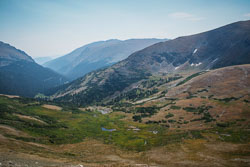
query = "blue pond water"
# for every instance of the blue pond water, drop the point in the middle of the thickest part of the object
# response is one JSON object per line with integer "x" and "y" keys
{"x": 109, "y": 130}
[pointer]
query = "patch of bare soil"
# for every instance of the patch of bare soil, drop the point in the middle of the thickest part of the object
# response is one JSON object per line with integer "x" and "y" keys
{"x": 10, "y": 96}
{"x": 52, "y": 107}
{"x": 30, "y": 118}
{"x": 4, "y": 129}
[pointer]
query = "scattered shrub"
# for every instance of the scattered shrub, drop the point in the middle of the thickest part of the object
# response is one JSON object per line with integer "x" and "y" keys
{"x": 169, "y": 115}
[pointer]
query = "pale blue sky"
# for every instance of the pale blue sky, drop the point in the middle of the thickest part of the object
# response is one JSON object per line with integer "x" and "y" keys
{"x": 56, "y": 27}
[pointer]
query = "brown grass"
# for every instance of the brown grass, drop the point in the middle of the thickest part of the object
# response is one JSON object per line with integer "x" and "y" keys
{"x": 4, "y": 129}
{"x": 30, "y": 118}
{"x": 52, "y": 107}
{"x": 10, "y": 96}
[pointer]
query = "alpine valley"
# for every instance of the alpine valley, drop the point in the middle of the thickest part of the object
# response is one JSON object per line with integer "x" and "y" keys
{"x": 97, "y": 55}
{"x": 180, "y": 102}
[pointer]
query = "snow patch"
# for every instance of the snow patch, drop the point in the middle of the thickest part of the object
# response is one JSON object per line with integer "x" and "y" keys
{"x": 198, "y": 64}
{"x": 215, "y": 60}
{"x": 195, "y": 51}
{"x": 177, "y": 67}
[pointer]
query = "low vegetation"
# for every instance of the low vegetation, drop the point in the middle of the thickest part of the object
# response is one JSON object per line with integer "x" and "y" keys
{"x": 190, "y": 77}
{"x": 73, "y": 126}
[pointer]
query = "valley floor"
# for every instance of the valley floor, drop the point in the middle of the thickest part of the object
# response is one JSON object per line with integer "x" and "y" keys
{"x": 65, "y": 140}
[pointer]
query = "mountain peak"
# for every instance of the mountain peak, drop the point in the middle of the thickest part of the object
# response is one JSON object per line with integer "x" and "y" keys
{"x": 97, "y": 55}
{"x": 221, "y": 47}
{"x": 20, "y": 75}
{"x": 10, "y": 53}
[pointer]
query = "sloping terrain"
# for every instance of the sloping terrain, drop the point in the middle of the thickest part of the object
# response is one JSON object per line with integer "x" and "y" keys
{"x": 171, "y": 104}
{"x": 20, "y": 75}
{"x": 168, "y": 120}
{"x": 42, "y": 60}
{"x": 200, "y": 100}
{"x": 225, "y": 46}
{"x": 10, "y": 53}
{"x": 97, "y": 55}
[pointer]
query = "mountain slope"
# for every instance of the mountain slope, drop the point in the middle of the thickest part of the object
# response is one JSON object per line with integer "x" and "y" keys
{"x": 97, "y": 55}
{"x": 225, "y": 46}
{"x": 212, "y": 97}
{"x": 20, "y": 75}
{"x": 196, "y": 101}
{"x": 42, "y": 60}
{"x": 184, "y": 121}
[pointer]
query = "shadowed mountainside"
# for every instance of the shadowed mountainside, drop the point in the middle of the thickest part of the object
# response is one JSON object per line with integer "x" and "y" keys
{"x": 20, "y": 75}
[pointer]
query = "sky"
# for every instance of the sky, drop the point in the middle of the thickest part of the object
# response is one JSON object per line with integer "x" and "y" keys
{"x": 55, "y": 27}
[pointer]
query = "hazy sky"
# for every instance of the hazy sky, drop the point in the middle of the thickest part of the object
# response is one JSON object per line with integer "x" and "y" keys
{"x": 56, "y": 27}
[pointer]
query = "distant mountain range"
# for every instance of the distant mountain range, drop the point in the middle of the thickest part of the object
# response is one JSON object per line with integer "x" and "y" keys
{"x": 42, "y": 60}
{"x": 20, "y": 75}
{"x": 221, "y": 47}
{"x": 97, "y": 55}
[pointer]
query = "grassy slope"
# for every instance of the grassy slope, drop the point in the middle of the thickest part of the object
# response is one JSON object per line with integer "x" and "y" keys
{"x": 201, "y": 121}
{"x": 196, "y": 101}
{"x": 68, "y": 130}
{"x": 72, "y": 126}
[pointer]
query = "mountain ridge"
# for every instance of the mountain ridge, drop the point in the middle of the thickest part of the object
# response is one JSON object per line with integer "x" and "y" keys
{"x": 9, "y": 52}
{"x": 42, "y": 60}
{"x": 203, "y": 51}
{"x": 20, "y": 75}
{"x": 97, "y": 55}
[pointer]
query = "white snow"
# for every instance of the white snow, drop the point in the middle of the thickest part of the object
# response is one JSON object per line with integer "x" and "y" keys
{"x": 215, "y": 60}
{"x": 177, "y": 67}
{"x": 198, "y": 64}
{"x": 195, "y": 51}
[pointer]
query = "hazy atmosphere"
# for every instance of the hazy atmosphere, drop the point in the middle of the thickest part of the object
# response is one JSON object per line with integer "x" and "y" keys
{"x": 124, "y": 83}
{"x": 56, "y": 27}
